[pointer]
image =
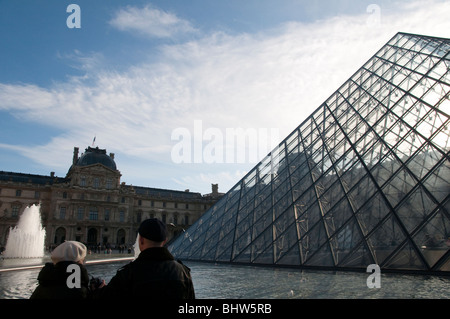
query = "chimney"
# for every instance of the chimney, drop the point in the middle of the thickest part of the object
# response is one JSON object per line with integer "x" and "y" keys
{"x": 75, "y": 155}
{"x": 215, "y": 189}
{"x": 111, "y": 155}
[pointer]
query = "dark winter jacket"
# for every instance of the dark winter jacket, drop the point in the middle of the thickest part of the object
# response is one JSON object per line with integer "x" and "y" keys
{"x": 155, "y": 274}
{"x": 53, "y": 282}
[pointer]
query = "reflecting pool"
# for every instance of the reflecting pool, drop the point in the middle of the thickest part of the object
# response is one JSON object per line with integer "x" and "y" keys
{"x": 223, "y": 281}
{"x": 233, "y": 281}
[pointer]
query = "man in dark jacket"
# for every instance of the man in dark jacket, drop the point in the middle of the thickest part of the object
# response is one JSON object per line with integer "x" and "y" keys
{"x": 65, "y": 277}
{"x": 155, "y": 274}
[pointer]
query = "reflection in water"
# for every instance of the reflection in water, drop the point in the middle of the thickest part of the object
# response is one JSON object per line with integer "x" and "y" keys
{"x": 218, "y": 281}
{"x": 18, "y": 284}
{"x": 232, "y": 281}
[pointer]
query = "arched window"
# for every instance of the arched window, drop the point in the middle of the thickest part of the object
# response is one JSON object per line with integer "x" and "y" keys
{"x": 139, "y": 216}
{"x": 92, "y": 236}
{"x": 120, "y": 237}
{"x": 60, "y": 235}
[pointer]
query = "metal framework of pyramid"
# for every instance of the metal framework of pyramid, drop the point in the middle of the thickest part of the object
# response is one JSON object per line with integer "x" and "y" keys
{"x": 363, "y": 180}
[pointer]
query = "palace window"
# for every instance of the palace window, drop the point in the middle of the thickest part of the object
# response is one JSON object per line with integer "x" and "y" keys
{"x": 80, "y": 213}
{"x": 15, "y": 210}
{"x": 62, "y": 212}
{"x": 139, "y": 217}
{"x": 108, "y": 183}
{"x": 93, "y": 213}
{"x": 96, "y": 182}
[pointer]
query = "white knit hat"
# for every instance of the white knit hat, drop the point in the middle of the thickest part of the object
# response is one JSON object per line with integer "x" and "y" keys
{"x": 69, "y": 251}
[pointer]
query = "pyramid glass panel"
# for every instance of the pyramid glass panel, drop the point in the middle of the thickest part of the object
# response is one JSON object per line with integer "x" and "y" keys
{"x": 364, "y": 179}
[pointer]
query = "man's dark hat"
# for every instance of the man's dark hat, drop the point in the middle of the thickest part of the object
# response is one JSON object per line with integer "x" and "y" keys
{"x": 153, "y": 229}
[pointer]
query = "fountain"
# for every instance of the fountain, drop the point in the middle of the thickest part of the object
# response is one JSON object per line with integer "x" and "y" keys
{"x": 137, "y": 251}
{"x": 26, "y": 240}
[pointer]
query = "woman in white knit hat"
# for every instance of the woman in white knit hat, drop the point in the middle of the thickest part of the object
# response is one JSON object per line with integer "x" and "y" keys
{"x": 65, "y": 277}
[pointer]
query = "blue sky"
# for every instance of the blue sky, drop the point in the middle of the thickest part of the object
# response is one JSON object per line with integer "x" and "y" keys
{"x": 136, "y": 72}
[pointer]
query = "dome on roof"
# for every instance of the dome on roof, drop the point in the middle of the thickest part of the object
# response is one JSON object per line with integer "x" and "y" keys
{"x": 96, "y": 156}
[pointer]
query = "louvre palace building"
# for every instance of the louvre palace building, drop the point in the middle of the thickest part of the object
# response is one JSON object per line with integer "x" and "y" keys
{"x": 91, "y": 205}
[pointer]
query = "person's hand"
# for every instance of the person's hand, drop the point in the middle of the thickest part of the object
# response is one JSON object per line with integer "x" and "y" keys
{"x": 103, "y": 284}
{"x": 96, "y": 283}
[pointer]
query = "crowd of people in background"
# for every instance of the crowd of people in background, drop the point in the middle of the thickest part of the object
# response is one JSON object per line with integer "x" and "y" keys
{"x": 95, "y": 249}
{"x": 104, "y": 249}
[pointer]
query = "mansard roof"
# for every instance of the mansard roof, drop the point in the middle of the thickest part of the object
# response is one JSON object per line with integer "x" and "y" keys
{"x": 31, "y": 178}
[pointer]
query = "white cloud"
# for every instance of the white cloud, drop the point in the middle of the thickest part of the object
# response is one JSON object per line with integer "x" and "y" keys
{"x": 273, "y": 79}
{"x": 151, "y": 22}
{"x": 24, "y": 97}
{"x": 81, "y": 61}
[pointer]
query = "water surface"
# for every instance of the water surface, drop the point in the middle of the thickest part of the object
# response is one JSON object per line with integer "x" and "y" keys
{"x": 223, "y": 281}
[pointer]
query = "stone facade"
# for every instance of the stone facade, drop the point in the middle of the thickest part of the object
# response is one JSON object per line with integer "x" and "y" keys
{"x": 92, "y": 206}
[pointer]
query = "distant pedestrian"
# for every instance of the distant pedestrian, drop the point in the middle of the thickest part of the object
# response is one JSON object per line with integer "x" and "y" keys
{"x": 154, "y": 274}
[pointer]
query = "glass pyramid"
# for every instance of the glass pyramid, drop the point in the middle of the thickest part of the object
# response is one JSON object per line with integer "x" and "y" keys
{"x": 363, "y": 180}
